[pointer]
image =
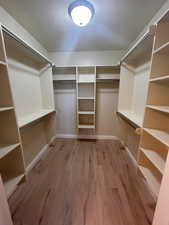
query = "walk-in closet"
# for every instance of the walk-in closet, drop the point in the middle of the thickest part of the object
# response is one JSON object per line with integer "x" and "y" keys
{"x": 84, "y": 112}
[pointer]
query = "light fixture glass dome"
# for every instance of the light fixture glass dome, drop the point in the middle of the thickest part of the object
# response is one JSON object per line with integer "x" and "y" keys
{"x": 81, "y": 12}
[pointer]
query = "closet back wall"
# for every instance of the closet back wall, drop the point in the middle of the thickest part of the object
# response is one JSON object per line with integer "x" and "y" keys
{"x": 86, "y": 58}
{"x": 66, "y": 99}
{"x": 65, "y": 103}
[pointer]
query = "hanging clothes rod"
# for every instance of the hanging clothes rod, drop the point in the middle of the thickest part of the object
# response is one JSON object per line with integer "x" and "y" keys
{"x": 149, "y": 33}
{"x": 7, "y": 31}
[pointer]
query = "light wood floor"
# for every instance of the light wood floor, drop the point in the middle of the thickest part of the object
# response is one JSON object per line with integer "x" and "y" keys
{"x": 83, "y": 183}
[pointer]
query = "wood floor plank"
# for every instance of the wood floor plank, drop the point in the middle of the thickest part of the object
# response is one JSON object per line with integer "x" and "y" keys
{"x": 83, "y": 183}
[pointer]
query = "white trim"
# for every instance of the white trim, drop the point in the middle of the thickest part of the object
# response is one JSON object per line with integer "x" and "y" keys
{"x": 44, "y": 151}
{"x": 131, "y": 157}
{"x": 98, "y": 137}
{"x": 142, "y": 38}
{"x": 73, "y": 136}
{"x": 80, "y": 65}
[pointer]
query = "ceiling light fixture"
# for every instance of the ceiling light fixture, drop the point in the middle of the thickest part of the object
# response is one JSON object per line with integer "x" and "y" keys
{"x": 81, "y": 12}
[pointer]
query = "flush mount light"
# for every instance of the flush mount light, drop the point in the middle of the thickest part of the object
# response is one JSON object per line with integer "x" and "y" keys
{"x": 81, "y": 12}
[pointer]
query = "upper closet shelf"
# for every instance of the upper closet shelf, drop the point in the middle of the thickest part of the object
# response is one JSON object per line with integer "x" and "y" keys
{"x": 164, "y": 49}
{"x": 162, "y": 80}
{"x": 2, "y": 109}
{"x": 86, "y": 126}
{"x": 23, "y": 49}
{"x": 133, "y": 119}
{"x": 64, "y": 77}
{"x": 3, "y": 63}
{"x": 86, "y": 78}
{"x": 104, "y": 73}
{"x": 86, "y": 112}
{"x": 108, "y": 77}
{"x": 33, "y": 117}
{"x": 64, "y": 73}
{"x": 86, "y": 98}
{"x": 160, "y": 135}
{"x": 164, "y": 109}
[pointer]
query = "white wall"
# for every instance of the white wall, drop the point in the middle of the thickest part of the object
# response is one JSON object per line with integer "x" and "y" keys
{"x": 24, "y": 82}
{"x": 65, "y": 103}
{"x": 17, "y": 29}
{"x": 86, "y": 58}
{"x": 106, "y": 103}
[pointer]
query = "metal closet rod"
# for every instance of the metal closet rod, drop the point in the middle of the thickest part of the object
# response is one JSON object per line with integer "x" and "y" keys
{"x": 146, "y": 35}
{"x": 25, "y": 45}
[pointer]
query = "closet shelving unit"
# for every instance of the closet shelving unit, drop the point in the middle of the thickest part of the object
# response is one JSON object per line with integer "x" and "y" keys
{"x": 86, "y": 97}
{"x": 154, "y": 143}
{"x": 12, "y": 166}
{"x": 26, "y": 108}
{"x": 33, "y": 72}
{"x": 135, "y": 69}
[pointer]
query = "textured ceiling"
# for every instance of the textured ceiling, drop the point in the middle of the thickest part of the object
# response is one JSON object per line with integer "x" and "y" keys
{"x": 115, "y": 25}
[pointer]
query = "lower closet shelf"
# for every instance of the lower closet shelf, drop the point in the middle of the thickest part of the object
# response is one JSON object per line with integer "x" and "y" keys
{"x": 132, "y": 118}
{"x": 155, "y": 158}
{"x": 86, "y": 127}
{"x": 159, "y": 135}
{"x": 33, "y": 117}
{"x": 151, "y": 180}
{"x": 86, "y": 112}
{"x": 11, "y": 183}
{"x": 5, "y": 149}
{"x": 86, "y": 98}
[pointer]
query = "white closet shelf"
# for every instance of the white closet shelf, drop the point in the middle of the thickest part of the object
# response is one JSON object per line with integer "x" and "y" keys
{"x": 3, "y": 63}
{"x": 151, "y": 180}
{"x": 164, "y": 109}
{"x": 66, "y": 77}
{"x": 11, "y": 183}
{"x": 86, "y": 112}
{"x": 5, "y": 149}
{"x": 108, "y": 76}
{"x": 155, "y": 159}
{"x": 129, "y": 115}
{"x": 86, "y": 82}
{"x": 164, "y": 49}
{"x": 86, "y": 126}
{"x": 86, "y": 98}
{"x": 33, "y": 117}
{"x": 2, "y": 109}
{"x": 161, "y": 79}
{"x": 160, "y": 135}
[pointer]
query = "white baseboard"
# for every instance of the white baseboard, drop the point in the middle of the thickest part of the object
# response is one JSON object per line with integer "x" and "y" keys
{"x": 69, "y": 136}
{"x": 98, "y": 137}
{"x": 132, "y": 157}
{"x": 43, "y": 151}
